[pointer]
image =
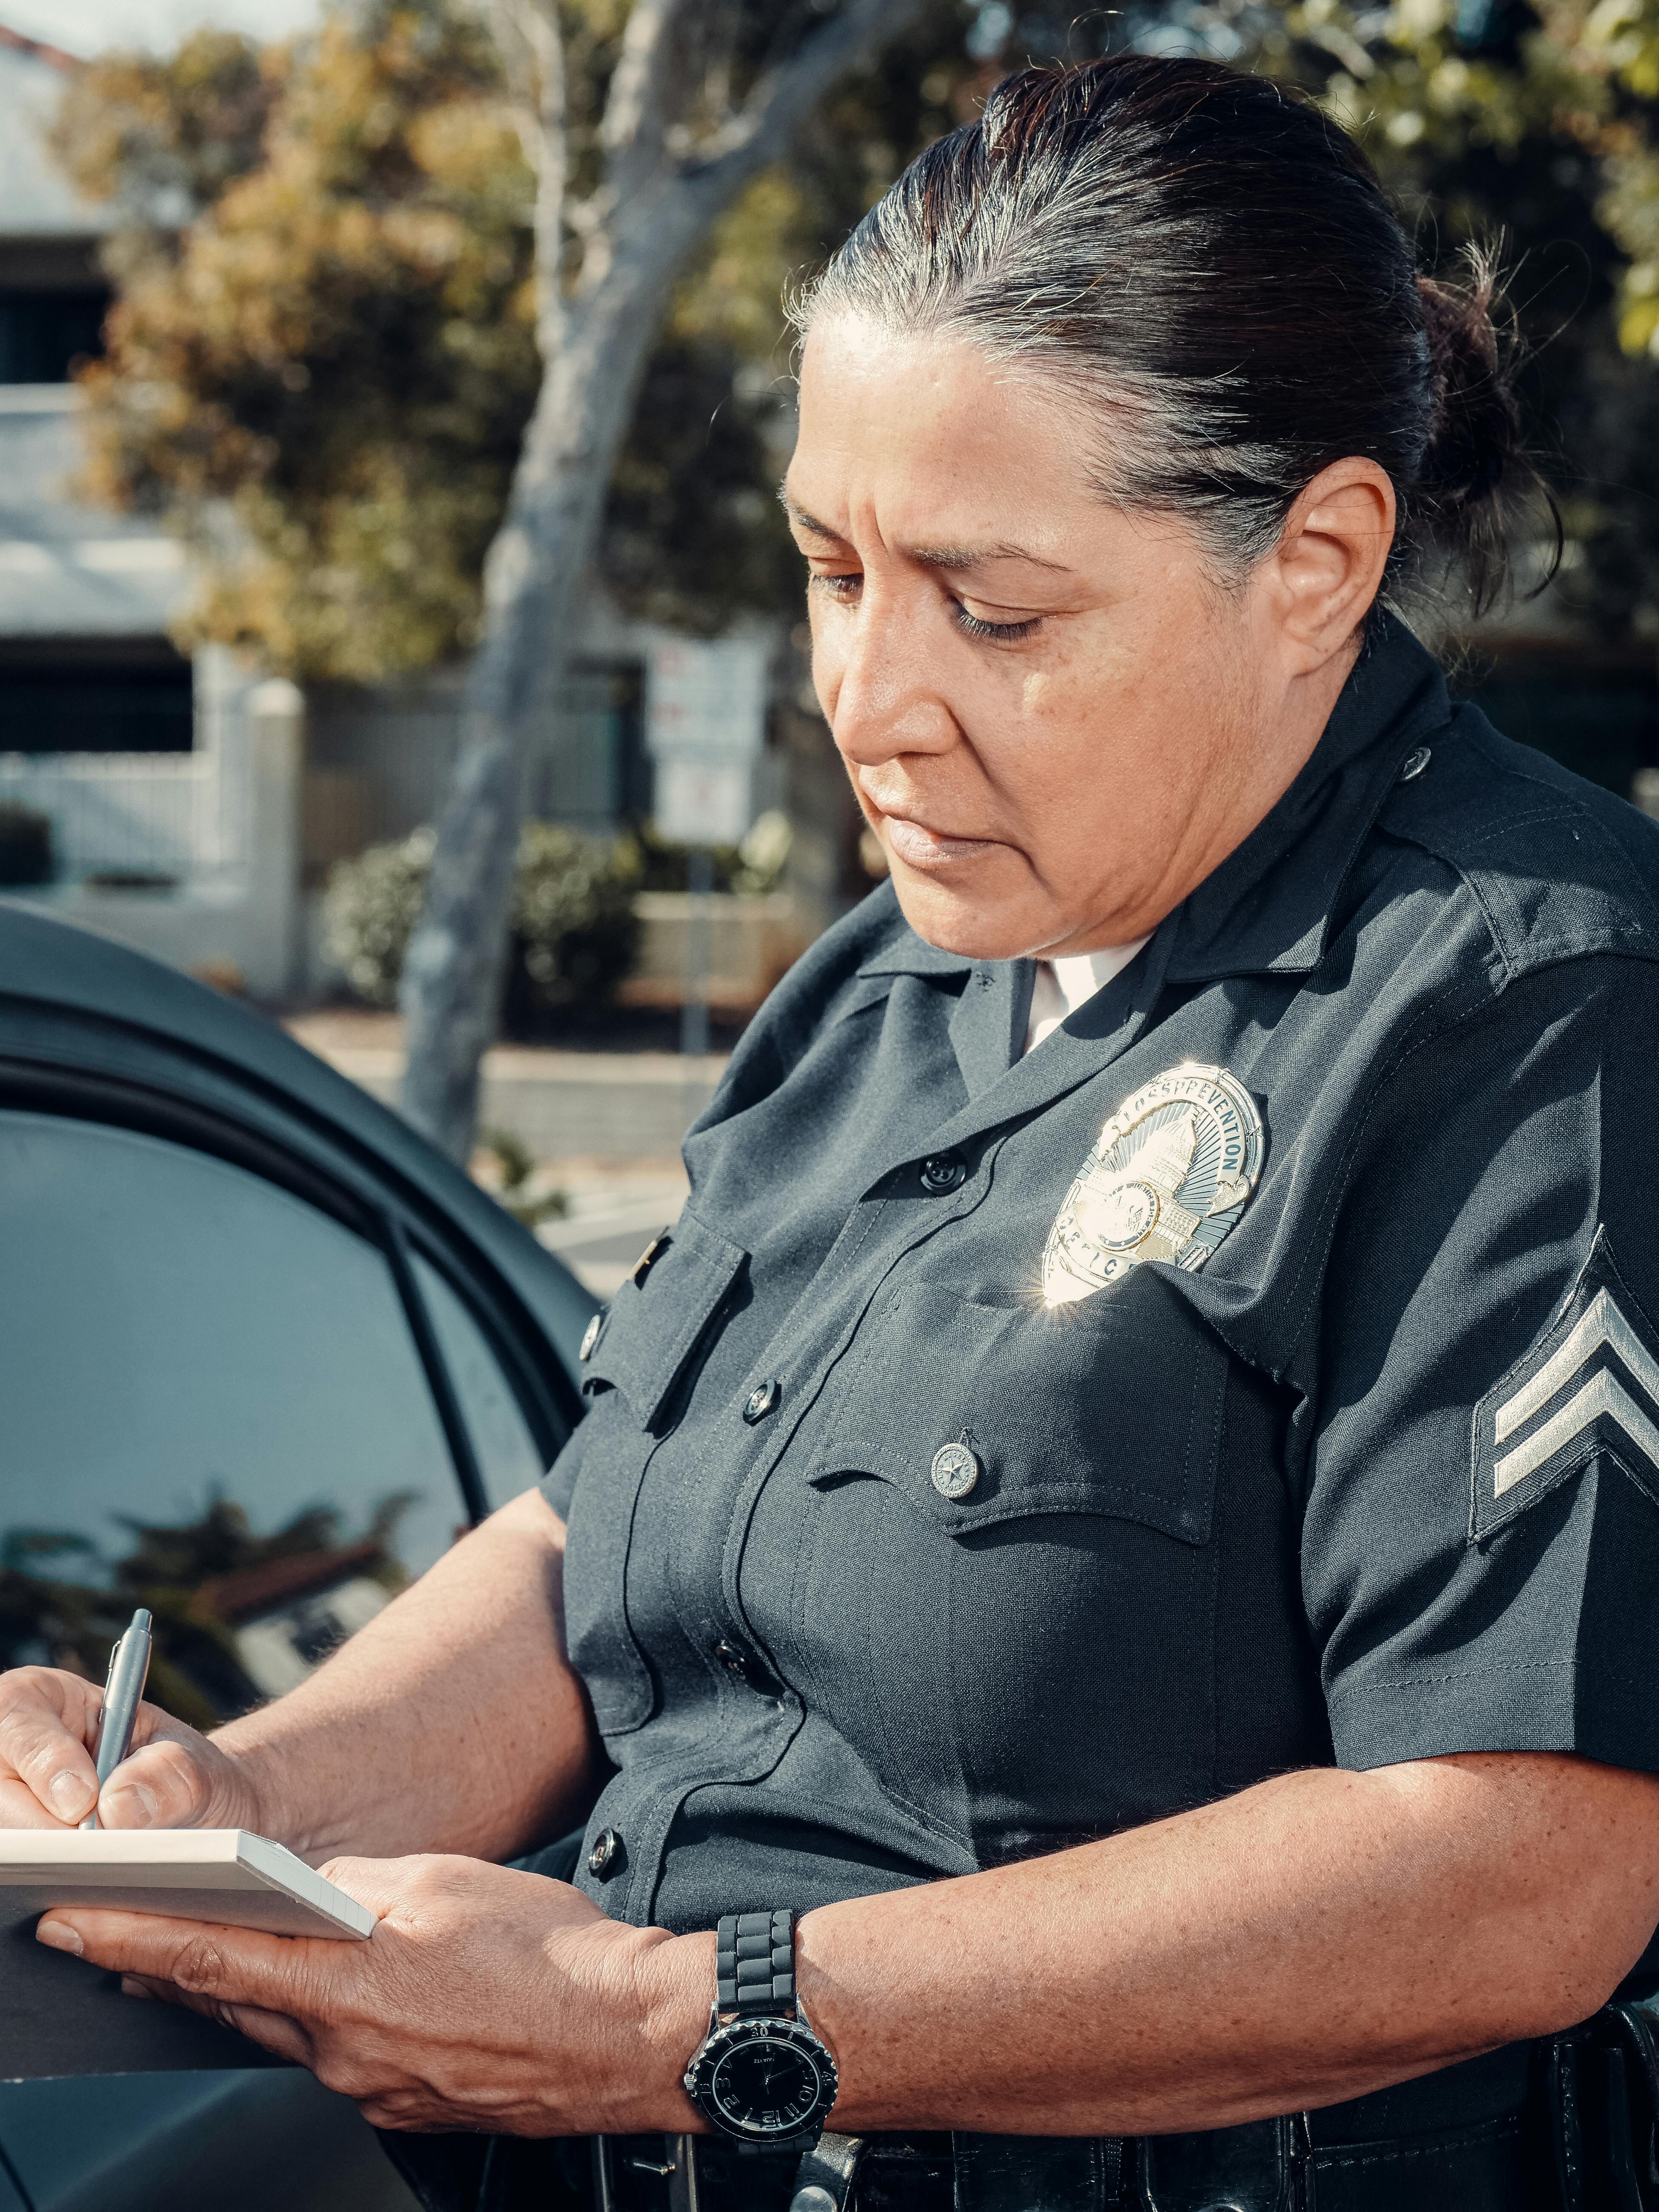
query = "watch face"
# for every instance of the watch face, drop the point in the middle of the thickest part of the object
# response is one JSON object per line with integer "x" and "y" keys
{"x": 765, "y": 2085}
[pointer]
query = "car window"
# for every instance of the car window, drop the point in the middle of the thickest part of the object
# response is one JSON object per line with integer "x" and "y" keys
{"x": 508, "y": 1458}
{"x": 211, "y": 1404}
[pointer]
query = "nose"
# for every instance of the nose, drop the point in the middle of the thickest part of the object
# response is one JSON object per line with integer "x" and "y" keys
{"x": 880, "y": 686}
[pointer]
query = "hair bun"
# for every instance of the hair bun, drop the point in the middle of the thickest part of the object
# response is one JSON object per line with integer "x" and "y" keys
{"x": 1475, "y": 440}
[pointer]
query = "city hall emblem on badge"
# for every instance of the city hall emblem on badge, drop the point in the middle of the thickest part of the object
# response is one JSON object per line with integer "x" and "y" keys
{"x": 1173, "y": 1170}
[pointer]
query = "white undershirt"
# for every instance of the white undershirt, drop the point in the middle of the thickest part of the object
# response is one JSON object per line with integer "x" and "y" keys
{"x": 1062, "y": 985}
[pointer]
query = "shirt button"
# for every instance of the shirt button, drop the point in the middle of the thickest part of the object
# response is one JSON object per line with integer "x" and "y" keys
{"x": 591, "y": 1336}
{"x": 606, "y": 1852}
{"x": 762, "y": 1400}
{"x": 943, "y": 1173}
{"x": 1415, "y": 763}
{"x": 742, "y": 1668}
{"x": 956, "y": 1471}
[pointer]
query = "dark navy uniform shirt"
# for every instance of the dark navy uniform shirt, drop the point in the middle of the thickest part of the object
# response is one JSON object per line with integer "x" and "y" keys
{"x": 1378, "y": 1481}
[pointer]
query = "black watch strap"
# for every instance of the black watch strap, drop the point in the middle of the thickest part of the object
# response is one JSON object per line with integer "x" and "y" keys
{"x": 755, "y": 1964}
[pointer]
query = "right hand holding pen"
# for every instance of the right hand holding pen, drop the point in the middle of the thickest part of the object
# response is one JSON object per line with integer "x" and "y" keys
{"x": 173, "y": 1779}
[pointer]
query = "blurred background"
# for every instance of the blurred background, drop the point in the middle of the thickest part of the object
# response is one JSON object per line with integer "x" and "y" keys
{"x": 267, "y": 357}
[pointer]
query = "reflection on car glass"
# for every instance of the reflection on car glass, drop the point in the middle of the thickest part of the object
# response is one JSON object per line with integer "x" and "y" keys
{"x": 507, "y": 1456}
{"x": 213, "y": 1408}
{"x": 238, "y": 1618}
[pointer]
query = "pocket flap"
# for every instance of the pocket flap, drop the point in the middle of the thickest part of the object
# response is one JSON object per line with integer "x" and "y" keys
{"x": 1112, "y": 1406}
{"x": 654, "y": 1325}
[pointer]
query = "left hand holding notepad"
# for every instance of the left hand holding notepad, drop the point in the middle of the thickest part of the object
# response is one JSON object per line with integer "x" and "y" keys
{"x": 486, "y": 1998}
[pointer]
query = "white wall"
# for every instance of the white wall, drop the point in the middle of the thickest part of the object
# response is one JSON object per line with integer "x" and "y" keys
{"x": 224, "y": 820}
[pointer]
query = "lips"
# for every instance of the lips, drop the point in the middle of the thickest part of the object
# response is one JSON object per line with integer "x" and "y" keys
{"x": 919, "y": 847}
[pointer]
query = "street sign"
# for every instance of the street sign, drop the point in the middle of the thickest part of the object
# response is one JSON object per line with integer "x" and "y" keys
{"x": 705, "y": 726}
{"x": 701, "y": 802}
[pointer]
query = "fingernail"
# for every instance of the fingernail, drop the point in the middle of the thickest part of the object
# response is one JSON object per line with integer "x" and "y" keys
{"x": 143, "y": 1799}
{"x": 59, "y": 1935}
{"x": 67, "y": 1792}
{"x": 131, "y": 1989}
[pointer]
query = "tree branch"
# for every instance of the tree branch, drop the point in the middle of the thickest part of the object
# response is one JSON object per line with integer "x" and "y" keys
{"x": 637, "y": 106}
{"x": 782, "y": 96}
{"x": 531, "y": 47}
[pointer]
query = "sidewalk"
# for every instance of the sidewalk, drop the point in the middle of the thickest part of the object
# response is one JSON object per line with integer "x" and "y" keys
{"x": 604, "y": 1128}
{"x": 618, "y": 1107}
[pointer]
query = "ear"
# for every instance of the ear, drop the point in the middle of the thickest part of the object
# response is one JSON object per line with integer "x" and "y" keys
{"x": 1328, "y": 566}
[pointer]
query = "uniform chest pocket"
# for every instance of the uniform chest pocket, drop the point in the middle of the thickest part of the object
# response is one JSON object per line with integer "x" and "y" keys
{"x": 978, "y": 1413}
{"x": 655, "y": 1324}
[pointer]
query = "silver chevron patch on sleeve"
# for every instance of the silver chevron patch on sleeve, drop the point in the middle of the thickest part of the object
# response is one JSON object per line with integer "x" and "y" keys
{"x": 1602, "y": 1394}
{"x": 1592, "y": 1378}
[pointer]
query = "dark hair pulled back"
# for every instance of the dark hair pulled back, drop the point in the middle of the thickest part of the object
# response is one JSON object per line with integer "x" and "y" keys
{"x": 1210, "y": 263}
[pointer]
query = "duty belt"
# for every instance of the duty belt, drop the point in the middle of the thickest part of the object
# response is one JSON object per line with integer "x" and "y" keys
{"x": 1268, "y": 2166}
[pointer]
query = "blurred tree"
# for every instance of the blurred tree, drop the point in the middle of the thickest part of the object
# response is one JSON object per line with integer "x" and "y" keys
{"x": 386, "y": 340}
{"x": 325, "y": 375}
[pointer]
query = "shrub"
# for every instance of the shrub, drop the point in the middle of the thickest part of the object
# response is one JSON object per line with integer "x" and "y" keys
{"x": 26, "y": 854}
{"x": 572, "y": 914}
{"x": 574, "y": 932}
{"x": 369, "y": 908}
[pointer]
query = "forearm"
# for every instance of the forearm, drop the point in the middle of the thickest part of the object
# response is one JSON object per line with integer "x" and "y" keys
{"x": 451, "y": 1722}
{"x": 1308, "y": 1941}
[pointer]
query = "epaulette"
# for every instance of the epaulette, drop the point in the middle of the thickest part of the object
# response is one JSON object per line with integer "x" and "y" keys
{"x": 1561, "y": 868}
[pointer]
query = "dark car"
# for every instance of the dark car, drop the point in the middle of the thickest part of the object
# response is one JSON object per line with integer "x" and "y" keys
{"x": 263, "y": 1354}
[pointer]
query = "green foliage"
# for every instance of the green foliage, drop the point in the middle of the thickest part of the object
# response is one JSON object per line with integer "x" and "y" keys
{"x": 370, "y": 908}
{"x": 25, "y": 853}
{"x": 340, "y": 347}
{"x": 572, "y": 914}
{"x": 575, "y": 934}
{"x": 164, "y": 137}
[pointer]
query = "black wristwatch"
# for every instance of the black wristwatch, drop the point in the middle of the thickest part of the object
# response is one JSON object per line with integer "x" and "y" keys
{"x": 759, "y": 2073}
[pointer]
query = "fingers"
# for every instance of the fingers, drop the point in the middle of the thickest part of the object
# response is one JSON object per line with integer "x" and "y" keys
{"x": 164, "y": 1786}
{"x": 46, "y": 1719}
{"x": 269, "y": 2029}
{"x": 236, "y": 1967}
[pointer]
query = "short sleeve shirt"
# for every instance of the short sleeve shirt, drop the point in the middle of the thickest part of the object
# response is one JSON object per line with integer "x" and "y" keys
{"x": 883, "y": 1565}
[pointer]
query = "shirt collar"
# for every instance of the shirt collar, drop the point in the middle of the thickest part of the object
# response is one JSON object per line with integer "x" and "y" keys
{"x": 1266, "y": 908}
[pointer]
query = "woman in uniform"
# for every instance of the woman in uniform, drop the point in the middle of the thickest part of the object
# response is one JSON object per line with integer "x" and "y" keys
{"x": 1105, "y": 1633}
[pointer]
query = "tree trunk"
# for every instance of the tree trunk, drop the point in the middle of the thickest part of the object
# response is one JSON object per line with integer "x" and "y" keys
{"x": 594, "y": 346}
{"x": 455, "y": 966}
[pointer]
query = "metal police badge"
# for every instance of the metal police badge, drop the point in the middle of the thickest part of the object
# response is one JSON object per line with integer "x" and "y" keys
{"x": 1173, "y": 1170}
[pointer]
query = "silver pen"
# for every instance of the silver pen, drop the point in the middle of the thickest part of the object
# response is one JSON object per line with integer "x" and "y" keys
{"x": 124, "y": 1686}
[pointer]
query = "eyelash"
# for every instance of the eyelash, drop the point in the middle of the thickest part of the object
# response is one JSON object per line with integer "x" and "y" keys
{"x": 839, "y": 587}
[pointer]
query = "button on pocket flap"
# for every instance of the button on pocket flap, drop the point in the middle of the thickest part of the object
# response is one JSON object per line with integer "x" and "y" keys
{"x": 981, "y": 1413}
{"x": 655, "y": 1322}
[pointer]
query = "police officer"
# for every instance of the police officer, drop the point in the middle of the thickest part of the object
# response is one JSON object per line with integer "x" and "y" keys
{"x": 1106, "y": 1636}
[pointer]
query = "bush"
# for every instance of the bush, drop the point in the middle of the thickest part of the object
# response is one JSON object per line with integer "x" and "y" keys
{"x": 574, "y": 932}
{"x": 572, "y": 914}
{"x": 369, "y": 908}
{"x": 26, "y": 854}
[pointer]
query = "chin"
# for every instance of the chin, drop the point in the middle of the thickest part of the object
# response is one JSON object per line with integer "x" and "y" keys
{"x": 975, "y": 927}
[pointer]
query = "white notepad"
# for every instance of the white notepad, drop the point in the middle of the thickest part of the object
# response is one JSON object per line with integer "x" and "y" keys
{"x": 222, "y": 1875}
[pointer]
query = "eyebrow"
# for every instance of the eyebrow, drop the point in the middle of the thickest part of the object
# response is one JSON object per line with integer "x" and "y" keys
{"x": 953, "y": 559}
